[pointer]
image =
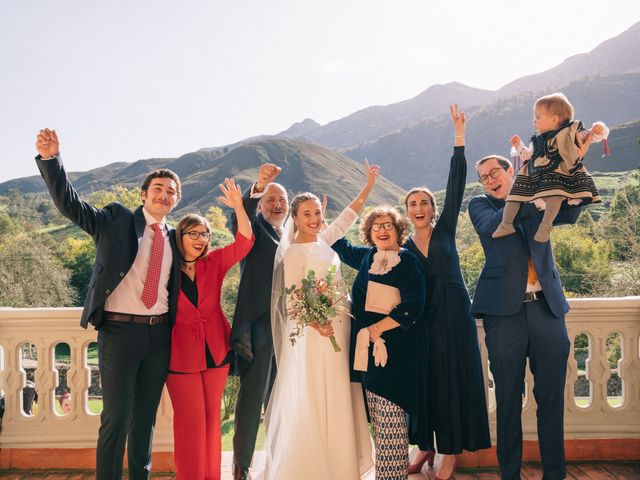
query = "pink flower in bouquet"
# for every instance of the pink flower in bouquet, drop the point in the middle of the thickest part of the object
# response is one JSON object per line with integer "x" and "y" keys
{"x": 322, "y": 286}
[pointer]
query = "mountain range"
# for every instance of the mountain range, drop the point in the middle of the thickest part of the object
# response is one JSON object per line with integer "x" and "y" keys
{"x": 412, "y": 139}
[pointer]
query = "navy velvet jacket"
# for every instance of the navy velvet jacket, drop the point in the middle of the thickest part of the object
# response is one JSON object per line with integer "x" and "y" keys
{"x": 398, "y": 380}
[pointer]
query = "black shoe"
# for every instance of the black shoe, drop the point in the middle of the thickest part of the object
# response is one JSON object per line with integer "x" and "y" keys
{"x": 240, "y": 473}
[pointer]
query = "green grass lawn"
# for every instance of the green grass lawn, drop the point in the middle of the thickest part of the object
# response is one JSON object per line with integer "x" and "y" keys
{"x": 227, "y": 435}
{"x": 584, "y": 401}
{"x": 63, "y": 355}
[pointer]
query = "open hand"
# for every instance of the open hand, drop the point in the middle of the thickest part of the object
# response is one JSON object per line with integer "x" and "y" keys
{"x": 232, "y": 195}
{"x": 515, "y": 141}
{"x": 267, "y": 174}
{"x": 459, "y": 120}
{"x": 373, "y": 172}
{"x": 47, "y": 143}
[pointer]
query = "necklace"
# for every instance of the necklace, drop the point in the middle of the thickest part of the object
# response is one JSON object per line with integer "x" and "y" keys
{"x": 189, "y": 264}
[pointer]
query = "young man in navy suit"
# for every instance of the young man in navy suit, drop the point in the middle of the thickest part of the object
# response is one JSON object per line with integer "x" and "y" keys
{"x": 519, "y": 297}
{"x": 131, "y": 300}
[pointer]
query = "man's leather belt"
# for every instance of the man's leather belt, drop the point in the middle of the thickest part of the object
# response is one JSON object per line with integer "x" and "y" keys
{"x": 533, "y": 296}
{"x": 128, "y": 318}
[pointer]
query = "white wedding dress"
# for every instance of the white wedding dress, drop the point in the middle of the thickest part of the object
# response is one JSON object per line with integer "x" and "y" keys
{"x": 316, "y": 420}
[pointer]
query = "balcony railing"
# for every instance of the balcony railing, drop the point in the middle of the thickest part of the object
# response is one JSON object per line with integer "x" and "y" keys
{"x": 595, "y": 416}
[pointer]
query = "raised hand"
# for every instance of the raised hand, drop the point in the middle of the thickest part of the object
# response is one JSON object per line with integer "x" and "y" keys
{"x": 583, "y": 141}
{"x": 373, "y": 172}
{"x": 47, "y": 143}
{"x": 324, "y": 204}
{"x": 459, "y": 120}
{"x": 597, "y": 128}
{"x": 267, "y": 174}
{"x": 515, "y": 141}
{"x": 232, "y": 195}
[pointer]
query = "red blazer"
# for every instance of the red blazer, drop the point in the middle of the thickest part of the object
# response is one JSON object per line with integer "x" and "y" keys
{"x": 207, "y": 322}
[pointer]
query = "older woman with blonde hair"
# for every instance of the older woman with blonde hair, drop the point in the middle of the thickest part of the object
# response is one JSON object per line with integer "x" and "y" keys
{"x": 388, "y": 298}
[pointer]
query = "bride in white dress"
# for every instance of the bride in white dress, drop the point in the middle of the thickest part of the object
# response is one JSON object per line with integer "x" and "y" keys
{"x": 316, "y": 420}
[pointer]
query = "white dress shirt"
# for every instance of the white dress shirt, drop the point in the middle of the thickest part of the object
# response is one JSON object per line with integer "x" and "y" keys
{"x": 126, "y": 298}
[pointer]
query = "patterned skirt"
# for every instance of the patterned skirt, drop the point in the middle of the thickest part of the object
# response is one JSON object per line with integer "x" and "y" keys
{"x": 578, "y": 185}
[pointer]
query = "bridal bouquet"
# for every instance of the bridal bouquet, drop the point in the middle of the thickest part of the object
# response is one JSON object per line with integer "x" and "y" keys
{"x": 314, "y": 301}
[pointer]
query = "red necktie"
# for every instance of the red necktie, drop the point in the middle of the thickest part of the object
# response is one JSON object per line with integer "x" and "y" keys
{"x": 150, "y": 290}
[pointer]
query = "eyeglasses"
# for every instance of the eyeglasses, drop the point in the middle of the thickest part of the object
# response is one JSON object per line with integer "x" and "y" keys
{"x": 193, "y": 235}
{"x": 494, "y": 173}
{"x": 386, "y": 225}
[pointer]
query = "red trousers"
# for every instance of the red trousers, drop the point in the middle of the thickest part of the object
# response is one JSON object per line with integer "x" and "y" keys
{"x": 196, "y": 401}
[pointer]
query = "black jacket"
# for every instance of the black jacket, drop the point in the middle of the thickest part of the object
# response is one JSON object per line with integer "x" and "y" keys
{"x": 254, "y": 292}
{"x": 115, "y": 231}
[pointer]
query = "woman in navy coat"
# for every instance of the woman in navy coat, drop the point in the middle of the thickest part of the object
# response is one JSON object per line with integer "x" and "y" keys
{"x": 388, "y": 298}
{"x": 455, "y": 392}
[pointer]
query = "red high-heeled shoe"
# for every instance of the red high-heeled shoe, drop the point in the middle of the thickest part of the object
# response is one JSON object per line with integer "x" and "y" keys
{"x": 452, "y": 472}
{"x": 417, "y": 467}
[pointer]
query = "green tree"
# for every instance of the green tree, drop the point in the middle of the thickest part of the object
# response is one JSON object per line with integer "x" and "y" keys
{"x": 471, "y": 262}
{"x": 127, "y": 196}
{"x": 584, "y": 263}
{"x": 9, "y": 226}
{"x": 622, "y": 223}
{"x": 217, "y": 218}
{"x": 31, "y": 275}
{"x": 78, "y": 255}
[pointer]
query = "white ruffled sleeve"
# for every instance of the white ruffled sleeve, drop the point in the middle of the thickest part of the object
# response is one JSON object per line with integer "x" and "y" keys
{"x": 340, "y": 226}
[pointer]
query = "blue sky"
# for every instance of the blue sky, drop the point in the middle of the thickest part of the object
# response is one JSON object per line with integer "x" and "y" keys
{"x": 124, "y": 80}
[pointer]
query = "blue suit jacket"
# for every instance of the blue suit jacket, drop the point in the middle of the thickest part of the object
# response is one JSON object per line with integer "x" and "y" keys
{"x": 503, "y": 281}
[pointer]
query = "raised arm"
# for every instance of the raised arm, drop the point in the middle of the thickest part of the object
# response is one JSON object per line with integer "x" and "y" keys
{"x": 520, "y": 149}
{"x": 267, "y": 174}
{"x": 373, "y": 172}
{"x": 232, "y": 198}
{"x": 64, "y": 196}
{"x": 341, "y": 225}
{"x": 486, "y": 218}
{"x": 457, "y": 172}
{"x": 234, "y": 252}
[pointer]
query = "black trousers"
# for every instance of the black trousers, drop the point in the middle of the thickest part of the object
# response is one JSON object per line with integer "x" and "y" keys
{"x": 255, "y": 388}
{"x": 133, "y": 361}
{"x": 536, "y": 333}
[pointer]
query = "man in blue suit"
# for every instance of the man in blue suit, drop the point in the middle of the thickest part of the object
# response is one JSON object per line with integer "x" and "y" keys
{"x": 519, "y": 297}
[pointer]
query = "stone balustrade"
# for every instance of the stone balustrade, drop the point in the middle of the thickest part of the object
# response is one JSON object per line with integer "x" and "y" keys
{"x": 592, "y": 418}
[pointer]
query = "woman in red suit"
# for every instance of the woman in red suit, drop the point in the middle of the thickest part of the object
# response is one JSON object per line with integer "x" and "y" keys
{"x": 200, "y": 351}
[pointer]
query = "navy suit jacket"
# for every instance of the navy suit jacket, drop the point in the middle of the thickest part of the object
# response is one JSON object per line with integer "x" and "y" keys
{"x": 503, "y": 281}
{"x": 115, "y": 231}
